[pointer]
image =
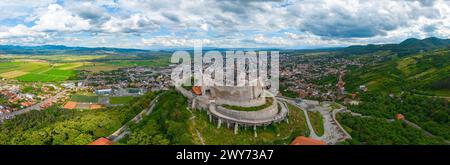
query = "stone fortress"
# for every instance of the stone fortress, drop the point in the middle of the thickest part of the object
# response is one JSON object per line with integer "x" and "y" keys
{"x": 233, "y": 106}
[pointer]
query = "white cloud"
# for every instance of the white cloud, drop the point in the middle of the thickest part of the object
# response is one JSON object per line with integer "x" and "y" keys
{"x": 172, "y": 41}
{"x": 135, "y": 23}
{"x": 56, "y": 18}
{"x": 20, "y": 31}
{"x": 224, "y": 23}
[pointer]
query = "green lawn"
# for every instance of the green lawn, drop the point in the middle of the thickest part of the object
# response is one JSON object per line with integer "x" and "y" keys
{"x": 33, "y": 77}
{"x": 269, "y": 102}
{"x": 85, "y": 99}
{"x": 316, "y": 122}
{"x": 120, "y": 99}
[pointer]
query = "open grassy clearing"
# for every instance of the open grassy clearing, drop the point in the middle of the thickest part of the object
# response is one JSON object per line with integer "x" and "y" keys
{"x": 269, "y": 102}
{"x": 85, "y": 99}
{"x": 120, "y": 99}
{"x": 316, "y": 122}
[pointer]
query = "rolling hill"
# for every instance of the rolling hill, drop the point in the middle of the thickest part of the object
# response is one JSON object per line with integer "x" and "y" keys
{"x": 426, "y": 73}
{"x": 61, "y": 49}
{"x": 408, "y": 46}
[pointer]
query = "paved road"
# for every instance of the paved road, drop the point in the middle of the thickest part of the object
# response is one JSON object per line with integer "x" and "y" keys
{"x": 333, "y": 131}
{"x": 312, "y": 133}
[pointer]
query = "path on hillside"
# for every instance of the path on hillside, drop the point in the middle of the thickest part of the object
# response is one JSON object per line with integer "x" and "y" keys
{"x": 199, "y": 135}
{"x": 312, "y": 133}
{"x": 124, "y": 130}
{"x": 442, "y": 97}
{"x": 333, "y": 131}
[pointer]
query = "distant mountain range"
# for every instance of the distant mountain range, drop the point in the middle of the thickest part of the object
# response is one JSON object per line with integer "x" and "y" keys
{"x": 61, "y": 49}
{"x": 411, "y": 45}
{"x": 408, "y": 46}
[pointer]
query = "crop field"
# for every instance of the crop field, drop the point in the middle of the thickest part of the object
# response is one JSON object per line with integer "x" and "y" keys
{"x": 53, "y": 68}
{"x": 54, "y": 58}
{"x": 13, "y": 74}
{"x": 33, "y": 71}
{"x": 97, "y": 67}
{"x": 147, "y": 63}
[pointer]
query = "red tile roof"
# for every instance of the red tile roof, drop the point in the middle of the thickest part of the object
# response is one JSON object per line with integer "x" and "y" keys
{"x": 399, "y": 116}
{"x": 197, "y": 90}
{"x": 102, "y": 141}
{"x": 301, "y": 140}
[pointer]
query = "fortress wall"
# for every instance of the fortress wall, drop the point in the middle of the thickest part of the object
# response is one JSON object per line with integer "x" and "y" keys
{"x": 242, "y": 103}
{"x": 265, "y": 114}
{"x": 202, "y": 102}
{"x": 186, "y": 93}
{"x": 244, "y": 93}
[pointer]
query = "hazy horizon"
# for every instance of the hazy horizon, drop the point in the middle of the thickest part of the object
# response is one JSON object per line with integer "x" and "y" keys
{"x": 287, "y": 24}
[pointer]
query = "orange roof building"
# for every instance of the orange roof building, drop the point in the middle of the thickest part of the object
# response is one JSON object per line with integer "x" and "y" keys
{"x": 399, "y": 116}
{"x": 301, "y": 140}
{"x": 197, "y": 90}
{"x": 102, "y": 141}
{"x": 70, "y": 105}
{"x": 95, "y": 106}
{"x": 26, "y": 104}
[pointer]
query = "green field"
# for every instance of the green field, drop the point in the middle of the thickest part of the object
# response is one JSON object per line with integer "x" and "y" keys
{"x": 33, "y": 71}
{"x": 85, "y": 99}
{"x": 316, "y": 122}
{"x": 120, "y": 99}
{"x": 51, "y": 68}
{"x": 269, "y": 102}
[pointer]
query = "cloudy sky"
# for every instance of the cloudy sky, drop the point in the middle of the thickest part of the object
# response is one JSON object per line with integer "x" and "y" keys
{"x": 220, "y": 23}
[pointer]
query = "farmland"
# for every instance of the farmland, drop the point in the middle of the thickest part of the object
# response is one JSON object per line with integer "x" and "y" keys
{"x": 32, "y": 71}
{"x": 54, "y": 68}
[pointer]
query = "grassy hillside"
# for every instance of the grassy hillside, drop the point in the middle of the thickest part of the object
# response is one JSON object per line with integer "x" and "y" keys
{"x": 426, "y": 72}
{"x": 407, "y": 47}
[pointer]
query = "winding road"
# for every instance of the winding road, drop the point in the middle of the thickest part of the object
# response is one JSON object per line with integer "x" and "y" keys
{"x": 333, "y": 131}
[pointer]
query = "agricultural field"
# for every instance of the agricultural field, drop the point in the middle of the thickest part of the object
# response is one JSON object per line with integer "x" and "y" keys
{"x": 146, "y": 63}
{"x": 33, "y": 71}
{"x": 98, "y": 67}
{"x": 54, "y": 58}
{"x": 28, "y": 68}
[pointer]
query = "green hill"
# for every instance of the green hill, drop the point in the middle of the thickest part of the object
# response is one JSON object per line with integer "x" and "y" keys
{"x": 409, "y": 46}
{"x": 426, "y": 73}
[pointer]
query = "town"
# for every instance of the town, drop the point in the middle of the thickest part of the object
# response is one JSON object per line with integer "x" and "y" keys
{"x": 318, "y": 77}
{"x": 92, "y": 91}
